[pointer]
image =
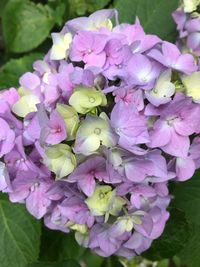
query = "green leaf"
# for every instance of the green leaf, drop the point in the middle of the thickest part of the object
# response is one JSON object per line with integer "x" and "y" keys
{"x": 155, "y": 15}
{"x": 2, "y": 6}
{"x": 190, "y": 255}
{"x": 112, "y": 262}
{"x": 19, "y": 235}
{"x": 82, "y": 7}
{"x": 90, "y": 259}
{"x": 60, "y": 246}
{"x": 187, "y": 198}
{"x": 14, "y": 68}
{"x": 58, "y": 8}
{"x": 176, "y": 234}
{"x": 25, "y": 25}
{"x": 69, "y": 263}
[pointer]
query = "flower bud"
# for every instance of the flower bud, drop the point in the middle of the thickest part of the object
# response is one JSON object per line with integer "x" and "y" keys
{"x": 71, "y": 119}
{"x": 61, "y": 44}
{"x": 81, "y": 228}
{"x": 190, "y": 5}
{"x": 192, "y": 85}
{"x": 104, "y": 202}
{"x": 60, "y": 160}
{"x": 25, "y": 105}
{"x": 85, "y": 99}
{"x": 93, "y": 132}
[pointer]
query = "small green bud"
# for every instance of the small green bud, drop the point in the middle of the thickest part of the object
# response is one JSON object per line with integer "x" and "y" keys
{"x": 84, "y": 99}
{"x": 60, "y": 160}
{"x": 71, "y": 119}
{"x": 104, "y": 202}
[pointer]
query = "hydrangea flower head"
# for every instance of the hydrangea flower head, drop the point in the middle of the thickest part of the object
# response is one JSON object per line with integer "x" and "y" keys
{"x": 93, "y": 134}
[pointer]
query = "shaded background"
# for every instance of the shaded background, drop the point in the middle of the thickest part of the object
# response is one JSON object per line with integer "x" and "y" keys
{"x": 25, "y": 28}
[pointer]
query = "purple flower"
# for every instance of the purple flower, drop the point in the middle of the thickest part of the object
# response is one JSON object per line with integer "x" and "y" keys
{"x": 95, "y": 21}
{"x": 29, "y": 81}
{"x": 11, "y": 96}
{"x": 86, "y": 172}
{"x": 32, "y": 189}
{"x": 130, "y": 97}
{"x": 185, "y": 168}
{"x": 7, "y": 138}
{"x": 89, "y": 48}
{"x": 171, "y": 57}
{"x": 195, "y": 151}
{"x": 136, "y": 37}
{"x": 180, "y": 18}
{"x": 178, "y": 120}
{"x": 64, "y": 80}
{"x": 53, "y": 129}
{"x": 141, "y": 135}
{"x": 129, "y": 125}
{"x": 142, "y": 71}
{"x": 102, "y": 242}
{"x": 5, "y": 184}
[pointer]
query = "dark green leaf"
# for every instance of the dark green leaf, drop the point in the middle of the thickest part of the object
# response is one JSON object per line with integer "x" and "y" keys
{"x": 58, "y": 9}
{"x": 2, "y": 6}
{"x": 155, "y": 15}
{"x": 59, "y": 246}
{"x": 90, "y": 259}
{"x": 25, "y": 25}
{"x": 190, "y": 255}
{"x": 187, "y": 198}
{"x": 69, "y": 263}
{"x": 112, "y": 262}
{"x": 14, "y": 68}
{"x": 82, "y": 7}
{"x": 174, "y": 238}
{"x": 19, "y": 235}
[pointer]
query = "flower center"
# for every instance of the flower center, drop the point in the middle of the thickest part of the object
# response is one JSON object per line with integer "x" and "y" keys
{"x": 97, "y": 131}
{"x": 89, "y": 51}
{"x": 92, "y": 99}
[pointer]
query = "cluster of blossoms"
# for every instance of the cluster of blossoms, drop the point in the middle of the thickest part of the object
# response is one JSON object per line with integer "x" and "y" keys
{"x": 187, "y": 18}
{"x": 92, "y": 136}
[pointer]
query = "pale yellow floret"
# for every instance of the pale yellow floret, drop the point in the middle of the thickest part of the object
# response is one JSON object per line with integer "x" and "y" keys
{"x": 85, "y": 99}
{"x": 103, "y": 24}
{"x": 190, "y": 5}
{"x": 60, "y": 160}
{"x": 104, "y": 202}
{"x": 81, "y": 228}
{"x": 164, "y": 87}
{"x": 71, "y": 119}
{"x": 192, "y": 85}
{"x": 25, "y": 105}
{"x": 61, "y": 44}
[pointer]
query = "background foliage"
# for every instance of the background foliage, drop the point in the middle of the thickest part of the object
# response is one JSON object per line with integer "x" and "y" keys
{"x": 25, "y": 28}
